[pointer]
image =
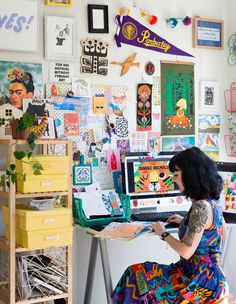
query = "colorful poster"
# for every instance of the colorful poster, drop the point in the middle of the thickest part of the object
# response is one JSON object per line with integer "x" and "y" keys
{"x": 134, "y": 33}
{"x": 177, "y": 98}
{"x": 152, "y": 177}
{"x": 19, "y": 80}
{"x": 144, "y": 107}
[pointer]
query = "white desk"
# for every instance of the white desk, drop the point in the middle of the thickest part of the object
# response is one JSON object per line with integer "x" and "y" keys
{"x": 101, "y": 243}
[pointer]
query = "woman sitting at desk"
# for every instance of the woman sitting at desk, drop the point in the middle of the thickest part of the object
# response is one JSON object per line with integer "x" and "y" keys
{"x": 197, "y": 277}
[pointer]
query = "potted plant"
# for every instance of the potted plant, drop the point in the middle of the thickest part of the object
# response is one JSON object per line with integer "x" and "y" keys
{"x": 21, "y": 130}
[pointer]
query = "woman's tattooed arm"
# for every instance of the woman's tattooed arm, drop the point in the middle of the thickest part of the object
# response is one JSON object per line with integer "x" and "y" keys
{"x": 197, "y": 221}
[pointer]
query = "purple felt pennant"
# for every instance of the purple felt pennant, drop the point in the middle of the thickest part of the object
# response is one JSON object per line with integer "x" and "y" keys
{"x": 134, "y": 33}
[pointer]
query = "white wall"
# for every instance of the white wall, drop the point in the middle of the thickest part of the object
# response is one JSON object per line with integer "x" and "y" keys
{"x": 209, "y": 65}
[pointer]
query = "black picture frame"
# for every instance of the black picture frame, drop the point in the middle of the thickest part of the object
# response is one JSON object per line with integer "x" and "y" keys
{"x": 99, "y": 24}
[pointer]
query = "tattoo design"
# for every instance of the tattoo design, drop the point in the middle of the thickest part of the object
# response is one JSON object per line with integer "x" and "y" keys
{"x": 197, "y": 220}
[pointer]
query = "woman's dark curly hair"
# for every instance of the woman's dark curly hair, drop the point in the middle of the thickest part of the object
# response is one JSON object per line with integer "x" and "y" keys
{"x": 199, "y": 174}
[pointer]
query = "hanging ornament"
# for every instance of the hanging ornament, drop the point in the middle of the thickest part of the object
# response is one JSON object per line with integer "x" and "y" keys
{"x": 172, "y": 22}
{"x": 152, "y": 19}
{"x": 150, "y": 68}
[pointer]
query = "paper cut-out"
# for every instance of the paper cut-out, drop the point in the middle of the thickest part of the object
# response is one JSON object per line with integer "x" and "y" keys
{"x": 129, "y": 62}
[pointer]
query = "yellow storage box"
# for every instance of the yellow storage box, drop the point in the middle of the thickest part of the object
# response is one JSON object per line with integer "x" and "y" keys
{"x": 43, "y": 238}
{"x": 31, "y": 220}
{"x": 54, "y": 177}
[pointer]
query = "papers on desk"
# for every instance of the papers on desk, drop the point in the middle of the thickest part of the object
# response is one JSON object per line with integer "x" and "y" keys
{"x": 124, "y": 231}
{"x": 97, "y": 204}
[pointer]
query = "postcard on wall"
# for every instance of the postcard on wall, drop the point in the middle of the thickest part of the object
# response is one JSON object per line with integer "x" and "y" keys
{"x": 50, "y": 130}
{"x": 61, "y": 72}
{"x": 177, "y": 143}
{"x": 71, "y": 124}
{"x": 138, "y": 141}
{"x": 209, "y": 123}
{"x": 81, "y": 87}
{"x": 36, "y": 107}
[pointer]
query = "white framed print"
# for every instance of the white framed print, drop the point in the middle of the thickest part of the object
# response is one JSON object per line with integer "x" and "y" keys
{"x": 209, "y": 95}
{"x": 19, "y": 25}
{"x": 60, "y": 38}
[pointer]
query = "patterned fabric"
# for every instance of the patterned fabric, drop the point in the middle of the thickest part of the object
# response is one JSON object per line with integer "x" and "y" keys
{"x": 199, "y": 279}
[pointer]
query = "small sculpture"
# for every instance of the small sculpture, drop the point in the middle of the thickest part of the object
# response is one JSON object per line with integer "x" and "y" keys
{"x": 129, "y": 62}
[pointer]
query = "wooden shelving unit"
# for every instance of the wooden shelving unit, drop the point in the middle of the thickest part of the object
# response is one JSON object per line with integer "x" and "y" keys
{"x": 8, "y": 248}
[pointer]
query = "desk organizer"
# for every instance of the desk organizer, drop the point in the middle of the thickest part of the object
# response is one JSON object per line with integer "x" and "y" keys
{"x": 80, "y": 218}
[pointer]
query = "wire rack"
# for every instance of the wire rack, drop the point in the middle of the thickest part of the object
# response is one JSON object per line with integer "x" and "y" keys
{"x": 42, "y": 273}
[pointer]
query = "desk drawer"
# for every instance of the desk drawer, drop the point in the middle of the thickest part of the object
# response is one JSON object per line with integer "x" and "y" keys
{"x": 30, "y": 220}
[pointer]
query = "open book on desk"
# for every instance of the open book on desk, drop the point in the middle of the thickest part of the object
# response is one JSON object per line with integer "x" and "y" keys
{"x": 124, "y": 231}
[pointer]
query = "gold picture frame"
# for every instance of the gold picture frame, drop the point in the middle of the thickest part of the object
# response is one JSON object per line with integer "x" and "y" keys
{"x": 59, "y": 2}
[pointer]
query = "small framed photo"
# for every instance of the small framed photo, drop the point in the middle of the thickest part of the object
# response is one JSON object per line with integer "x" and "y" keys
{"x": 59, "y": 2}
{"x": 60, "y": 38}
{"x": 82, "y": 175}
{"x": 208, "y": 33}
{"x": 98, "y": 18}
{"x": 209, "y": 95}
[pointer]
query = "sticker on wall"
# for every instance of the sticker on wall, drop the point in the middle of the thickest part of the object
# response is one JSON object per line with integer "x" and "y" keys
{"x": 150, "y": 68}
{"x": 134, "y": 33}
{"x": 177, "y": 143}
{"x": 144, "y": 107}
{"x": 118, "y": 105}
{"x": 123, "y": 145}
{"x": 154, "y": 142}
{"x": 93, "y": 59}
{"x": 177, "y": 98}
{"x": 81, "y": 86}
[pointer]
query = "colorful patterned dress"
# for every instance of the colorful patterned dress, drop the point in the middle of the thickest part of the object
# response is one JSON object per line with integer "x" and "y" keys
{"x": 199, "y": 279}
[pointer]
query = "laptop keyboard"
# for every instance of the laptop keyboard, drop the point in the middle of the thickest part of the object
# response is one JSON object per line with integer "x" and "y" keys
{"x": 155, "y": 216}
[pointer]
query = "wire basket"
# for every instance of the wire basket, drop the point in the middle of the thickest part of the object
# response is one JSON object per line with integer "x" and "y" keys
{"x": 230, "y": 98}
{"x": 230, "y": 145}
{"x": 42, "y": 203}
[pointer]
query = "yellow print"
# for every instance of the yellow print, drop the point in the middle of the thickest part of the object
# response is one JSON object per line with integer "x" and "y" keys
{"x": 152, "y": 42}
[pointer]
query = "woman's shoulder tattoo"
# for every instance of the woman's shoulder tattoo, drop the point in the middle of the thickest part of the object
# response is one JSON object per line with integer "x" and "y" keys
{"x": 197, "y": 221}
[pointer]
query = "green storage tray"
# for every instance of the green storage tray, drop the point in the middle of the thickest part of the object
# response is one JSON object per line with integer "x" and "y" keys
{"x": 80, "y": 218}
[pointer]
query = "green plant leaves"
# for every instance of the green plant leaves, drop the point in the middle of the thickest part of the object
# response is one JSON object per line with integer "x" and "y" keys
{"x": 37, "y": 167}
{"x": 19, "y": 154}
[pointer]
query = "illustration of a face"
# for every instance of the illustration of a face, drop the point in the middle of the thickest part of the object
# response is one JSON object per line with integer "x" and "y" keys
{"x": 17, "y": 92}
{"x": 99, "y": 105}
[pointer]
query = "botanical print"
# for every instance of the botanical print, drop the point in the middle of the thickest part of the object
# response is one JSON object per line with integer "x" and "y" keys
{"x": 20, "y": 80}
{"x": 177, "y": 98}
{"x": 177, "y": 143}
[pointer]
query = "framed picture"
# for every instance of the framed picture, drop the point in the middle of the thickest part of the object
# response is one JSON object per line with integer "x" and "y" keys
{"x": 59, "y": 2}
{"x": 82, "y": 175}
{"x": 19, "y": 26}
{"x": 60, "y": 38}
{"x": 209, "y": 95}
{"x": 98, "y": 18}
{"x": 208, "y": 33}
